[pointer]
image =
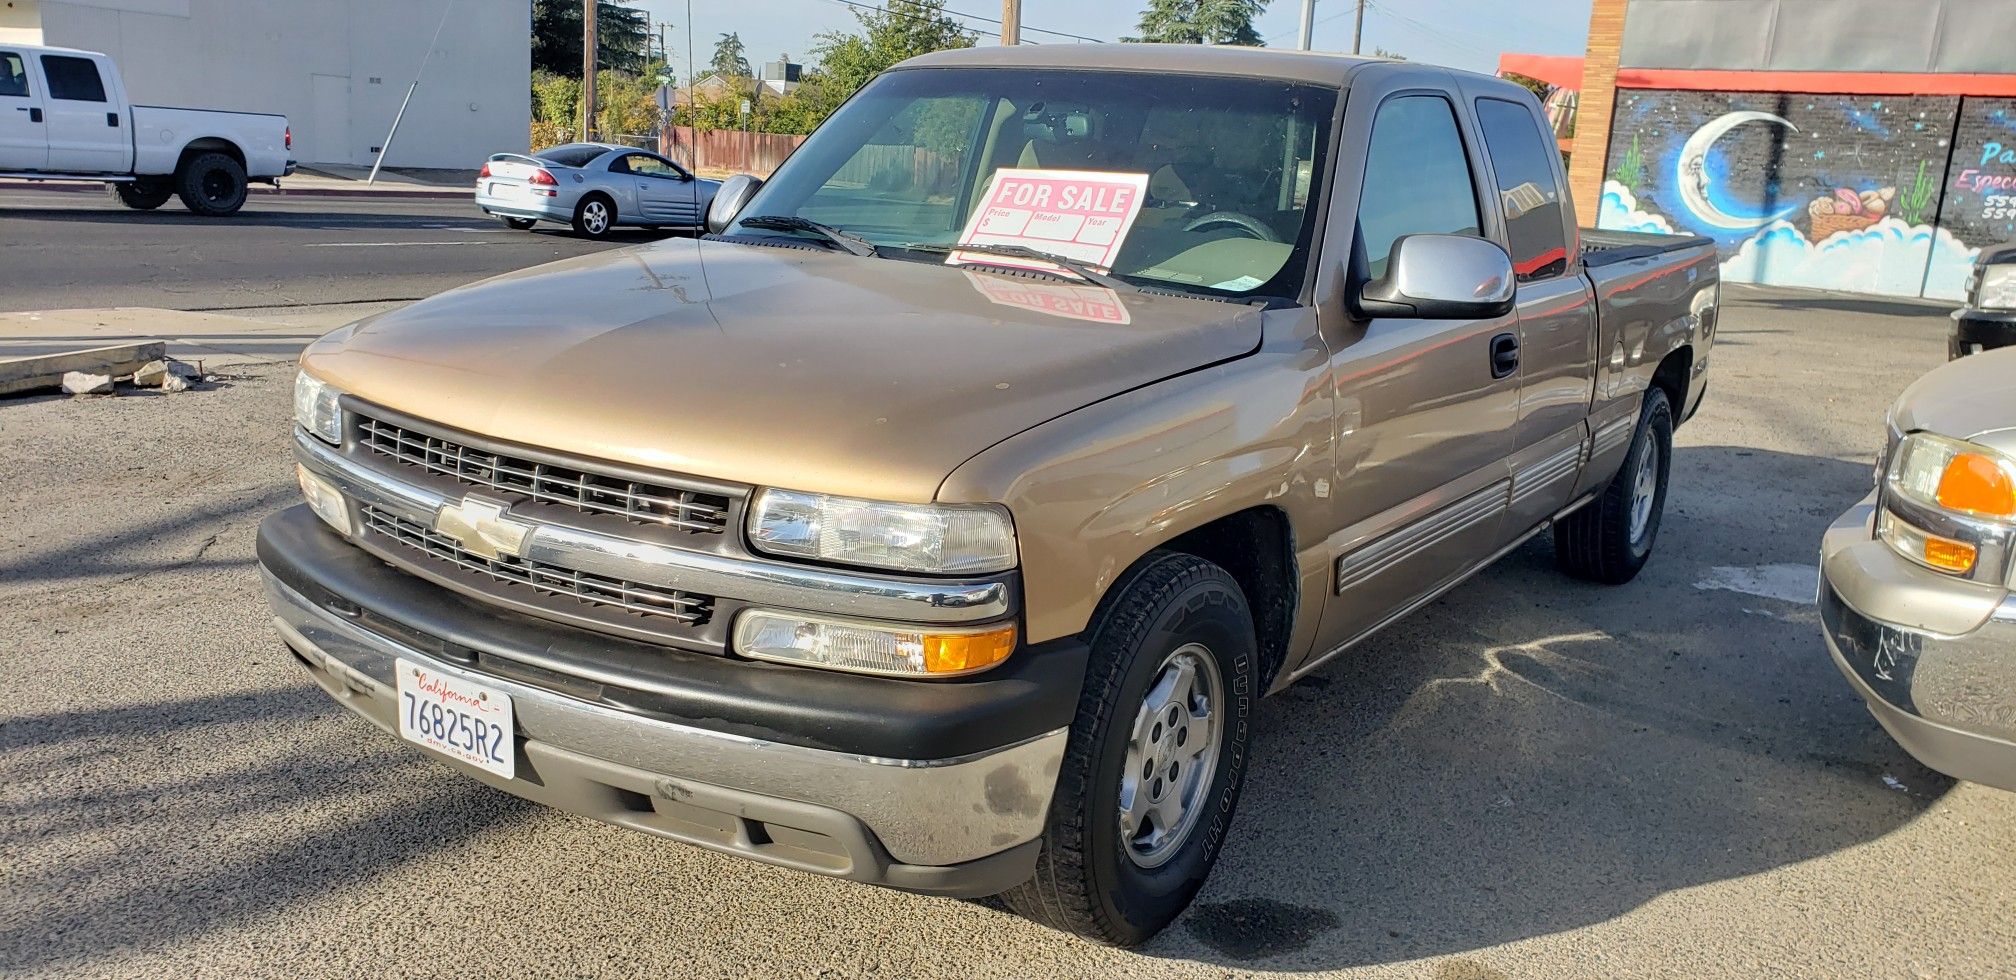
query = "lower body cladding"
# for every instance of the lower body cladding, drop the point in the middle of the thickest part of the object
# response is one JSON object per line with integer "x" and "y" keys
{"x": 782, "y": 764}
{"x": 1948, "y": 698}
{"x": 527, "y": 207}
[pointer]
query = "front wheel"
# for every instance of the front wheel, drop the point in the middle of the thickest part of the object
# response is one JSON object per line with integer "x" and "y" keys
{"x": 594, "y": 216}
{"x": 1155, "y": 758}
{"x": 141, "y": 195}
{"x": 1611, "y": 537}
{"x": 211, "y": 184}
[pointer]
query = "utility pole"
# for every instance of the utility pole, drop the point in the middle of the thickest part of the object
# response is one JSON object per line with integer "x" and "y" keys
{"x": 590, "y": 43}
{"x": 1358, "y": 28}
{"x": 1308, "y": 24}
{"x": 1011, "y": 21}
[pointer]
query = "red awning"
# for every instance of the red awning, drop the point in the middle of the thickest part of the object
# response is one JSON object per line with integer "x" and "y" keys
{"x": 1558, "y": 70}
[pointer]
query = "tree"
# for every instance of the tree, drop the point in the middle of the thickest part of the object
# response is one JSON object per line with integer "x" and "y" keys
{"x": 622, "y": 35}
{"x": 729, "y": 59}
{"x": 1379, "y": 52}
{"x": 887, "y": 36}
{"x": 1201, "y": 22}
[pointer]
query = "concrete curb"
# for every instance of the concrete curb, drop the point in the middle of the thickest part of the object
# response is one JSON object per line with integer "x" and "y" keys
{"x": 262, "y": 189}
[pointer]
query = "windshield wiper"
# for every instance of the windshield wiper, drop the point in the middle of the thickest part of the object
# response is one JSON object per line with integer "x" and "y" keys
{"x": 1071, "y": 265}
{"x": 854, "y": 244}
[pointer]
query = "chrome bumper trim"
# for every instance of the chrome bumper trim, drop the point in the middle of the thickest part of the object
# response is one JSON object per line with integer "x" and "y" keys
{"x": 923, "y": 811}
{"x": 755, "y": 581}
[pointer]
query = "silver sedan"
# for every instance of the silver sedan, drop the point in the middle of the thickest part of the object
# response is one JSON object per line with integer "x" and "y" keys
{"x": 593, "y": 187}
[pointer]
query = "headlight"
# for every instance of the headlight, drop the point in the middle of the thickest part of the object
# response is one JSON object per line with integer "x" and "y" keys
{"x": 1951, "y": 476}
{"x": 315, "y": 408}
{"x": 1998, "y": 288}
{"x": 870, "y": 648}
{"x": 940, "y": 539}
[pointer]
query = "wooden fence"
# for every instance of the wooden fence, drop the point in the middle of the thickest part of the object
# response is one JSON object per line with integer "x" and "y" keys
{"x": 728, "y": 149}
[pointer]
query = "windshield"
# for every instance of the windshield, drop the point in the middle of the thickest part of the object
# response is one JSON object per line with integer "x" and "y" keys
{"x": 1224, "y": 165}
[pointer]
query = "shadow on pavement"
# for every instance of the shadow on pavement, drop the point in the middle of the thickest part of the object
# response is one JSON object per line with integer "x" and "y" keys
{"x": 1531, "y": 754}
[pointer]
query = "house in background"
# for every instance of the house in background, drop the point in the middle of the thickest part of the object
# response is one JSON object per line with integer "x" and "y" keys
{"x": 338, "y": 69}
{"x": 1860, "y": 145}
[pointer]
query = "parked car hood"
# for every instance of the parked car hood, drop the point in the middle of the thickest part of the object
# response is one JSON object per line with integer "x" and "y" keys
{"x": 1970, "y": 398}
{"x": 785, "y": 367}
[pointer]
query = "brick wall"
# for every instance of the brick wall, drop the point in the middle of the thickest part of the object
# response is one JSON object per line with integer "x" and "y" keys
{"x": 1597, "y": 101}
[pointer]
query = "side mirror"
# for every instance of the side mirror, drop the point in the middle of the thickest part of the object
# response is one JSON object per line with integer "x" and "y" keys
{"x": 1442, "y": 277}
{"x": 729, "y": 201}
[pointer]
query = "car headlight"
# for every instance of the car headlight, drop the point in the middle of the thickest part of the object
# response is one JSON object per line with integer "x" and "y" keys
{"x": 1998, "y": 288}
{"x": 315, "y": 408}
{"x": 871, "y": 648}
{"x": 1952, "y": 476}
{"x": 939, "y": 539}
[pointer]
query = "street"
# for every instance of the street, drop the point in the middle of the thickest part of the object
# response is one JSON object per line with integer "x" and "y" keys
{"x": 1530, "y": 777}
{"x": 280, "y": 252}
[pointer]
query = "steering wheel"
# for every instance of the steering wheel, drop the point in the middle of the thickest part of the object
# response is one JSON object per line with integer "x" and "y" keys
{"x": 1252, "y": 226}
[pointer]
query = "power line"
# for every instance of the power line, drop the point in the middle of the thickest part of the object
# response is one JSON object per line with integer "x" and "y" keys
{"x": 955, "y": 13}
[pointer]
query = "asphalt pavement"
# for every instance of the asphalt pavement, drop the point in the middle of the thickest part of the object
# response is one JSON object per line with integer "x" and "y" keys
{"x": 68, "y": 249}
{"x": 1532, "y": 777}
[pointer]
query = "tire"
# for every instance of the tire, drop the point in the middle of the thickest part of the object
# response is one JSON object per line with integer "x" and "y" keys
{"x": 1094, "y": 878}
{"x": 141, "y": 195}
{"x": 1609, "y": 540}
{"x": 517, "y": 224}
{"x": 211, "y": 184}
{"x": 591, "y": 223}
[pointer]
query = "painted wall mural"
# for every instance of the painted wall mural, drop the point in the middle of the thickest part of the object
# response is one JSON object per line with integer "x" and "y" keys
{"x": 1874, "y": 194}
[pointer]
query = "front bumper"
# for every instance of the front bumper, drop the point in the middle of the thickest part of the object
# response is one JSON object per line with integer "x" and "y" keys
{"x": 775, "y": 763}
{"x": 1975, "y": 331}
{"x": 1946, "y": 694}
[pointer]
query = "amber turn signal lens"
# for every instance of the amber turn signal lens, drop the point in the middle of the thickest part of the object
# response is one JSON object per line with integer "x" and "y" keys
{"x": 956, "y": 652}
{"x": 1978, "y": 484}
{"x": 1952, "y": 556}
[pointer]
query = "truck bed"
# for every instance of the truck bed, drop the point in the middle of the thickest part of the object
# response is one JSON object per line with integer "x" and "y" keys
{"x": 1602, "y": 247}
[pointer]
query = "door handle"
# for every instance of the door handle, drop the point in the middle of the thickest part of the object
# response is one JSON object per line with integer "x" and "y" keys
{"x": 34, "y": 115}
{"x": 112, "y": 119}
{"x": 1504, "y": 355}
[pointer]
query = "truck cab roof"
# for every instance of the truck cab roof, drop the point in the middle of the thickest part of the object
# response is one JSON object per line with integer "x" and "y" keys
{"x": 1313, "y": 67}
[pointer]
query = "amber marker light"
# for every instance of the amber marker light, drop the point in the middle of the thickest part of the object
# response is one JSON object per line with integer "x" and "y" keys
{"x": 960, "y": 652}
{"x": 1974, "y": 483}
{"x": 1951, "y": 556}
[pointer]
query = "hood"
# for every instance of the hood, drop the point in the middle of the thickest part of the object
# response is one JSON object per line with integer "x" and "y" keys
{"x": 785, "y": 367}
{"x": 1970, "y": 398}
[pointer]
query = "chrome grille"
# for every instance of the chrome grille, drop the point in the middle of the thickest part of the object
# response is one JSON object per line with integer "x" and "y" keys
{"x": 650, "y": 601}
{"x": 695, "y": 511}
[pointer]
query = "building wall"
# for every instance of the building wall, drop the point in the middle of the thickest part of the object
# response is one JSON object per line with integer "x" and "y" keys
{"x": 337, "y": 68}
{"x": 1959, "y": 36}
{"x": 1865, "y": 193}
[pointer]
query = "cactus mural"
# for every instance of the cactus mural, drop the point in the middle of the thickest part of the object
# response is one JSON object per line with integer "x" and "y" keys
{"x": 1830, "y": 191}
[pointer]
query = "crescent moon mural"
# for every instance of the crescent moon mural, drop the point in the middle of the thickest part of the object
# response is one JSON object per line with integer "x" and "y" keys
{"x": 1693, "y": 175}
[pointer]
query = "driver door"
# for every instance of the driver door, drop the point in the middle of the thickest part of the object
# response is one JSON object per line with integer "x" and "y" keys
{"x": 665, "y": 193}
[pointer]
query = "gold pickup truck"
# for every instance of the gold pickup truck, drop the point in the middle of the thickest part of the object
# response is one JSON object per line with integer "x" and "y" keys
{"x": 851, "y": 539}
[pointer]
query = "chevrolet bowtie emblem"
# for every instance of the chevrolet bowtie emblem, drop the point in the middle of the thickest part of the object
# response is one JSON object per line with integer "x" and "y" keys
{"x": 482, "y": 529}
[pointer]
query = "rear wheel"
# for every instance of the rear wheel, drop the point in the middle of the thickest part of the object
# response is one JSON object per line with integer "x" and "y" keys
{"x": 1156, "y": 755}
{"x": 594, "y": 216}
{"x": 141, "y": 195}
{"x": 517, "y": 224}
{"x": 1611, "y": 537}
{"x": 211, "y": 184}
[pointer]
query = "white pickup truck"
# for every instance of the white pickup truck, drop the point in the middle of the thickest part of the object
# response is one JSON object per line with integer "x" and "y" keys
{"x": 65, "y": 115}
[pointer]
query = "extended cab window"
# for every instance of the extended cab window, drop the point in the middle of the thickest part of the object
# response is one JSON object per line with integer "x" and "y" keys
{"x": 1526, "y": 189}
{"x": 73, "y": 79}
{"x": 13, "y": 75}
{"x": 1417, "y": 180}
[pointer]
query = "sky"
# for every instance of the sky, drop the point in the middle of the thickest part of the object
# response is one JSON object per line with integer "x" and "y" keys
{"x": 1459, "y": 33}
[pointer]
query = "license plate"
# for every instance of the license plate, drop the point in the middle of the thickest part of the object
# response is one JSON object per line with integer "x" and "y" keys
{"x": 498, "y": 190}
{"x": 461, "y": 719}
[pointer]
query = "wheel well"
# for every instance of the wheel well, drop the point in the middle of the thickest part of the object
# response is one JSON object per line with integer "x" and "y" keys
{"x": 1257, "y": 547}
{"x": 1671, "y": 377}
{"x": 210, "y": 144}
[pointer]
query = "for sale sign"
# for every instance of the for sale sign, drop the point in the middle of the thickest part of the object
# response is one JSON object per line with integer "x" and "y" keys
{"x": 1078, "y": 214}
